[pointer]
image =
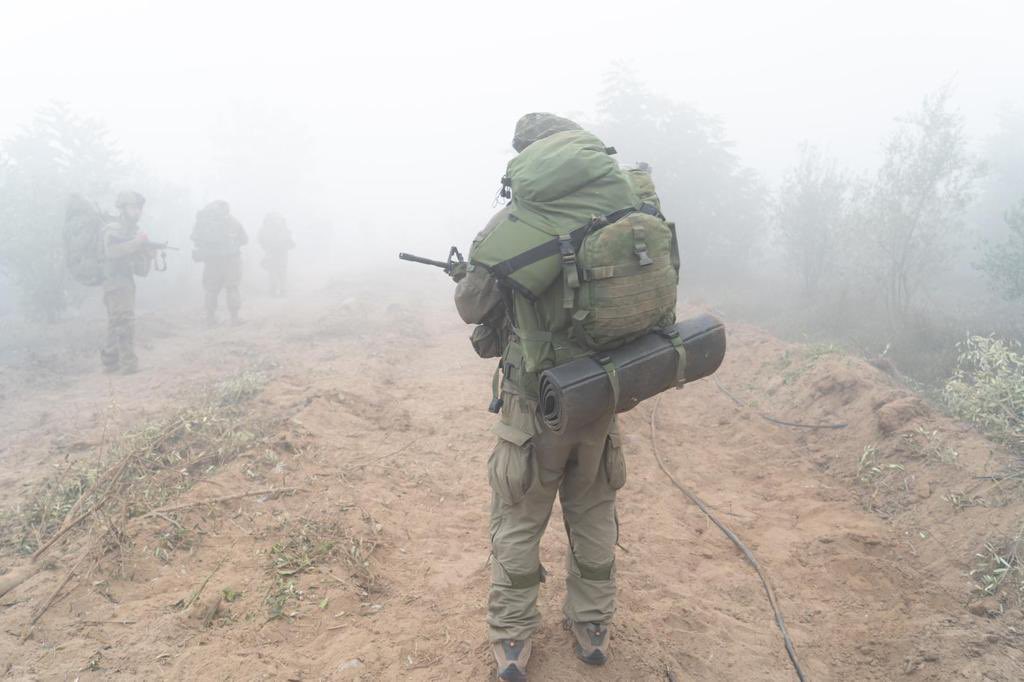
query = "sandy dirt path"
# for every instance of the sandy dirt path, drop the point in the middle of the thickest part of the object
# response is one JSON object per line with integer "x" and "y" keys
{"x": 376, "y": 408}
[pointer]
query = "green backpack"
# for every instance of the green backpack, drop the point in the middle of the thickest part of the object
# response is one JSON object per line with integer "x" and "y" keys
{"x": 83, "y": 240}
{"x": 575, "y": 214}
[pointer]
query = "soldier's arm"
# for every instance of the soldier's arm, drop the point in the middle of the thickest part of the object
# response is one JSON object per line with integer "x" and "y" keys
{"x": 117, "y": 246}
{"x": 476, "y": 296}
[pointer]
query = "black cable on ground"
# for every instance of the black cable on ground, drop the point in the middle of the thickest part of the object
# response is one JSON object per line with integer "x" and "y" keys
{"x": 751, "y": 559}
{"x": 773, "y": 420}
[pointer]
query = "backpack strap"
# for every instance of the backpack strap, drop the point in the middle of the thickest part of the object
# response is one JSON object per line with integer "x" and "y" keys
{"x": 554, "y": 246}
{"x": 672, "y": 334}
{"x": 496, "y": 401}
{"x": 569, "y": 270}
{"x": 608, "y": 365}
{"x": 606, "y": 271}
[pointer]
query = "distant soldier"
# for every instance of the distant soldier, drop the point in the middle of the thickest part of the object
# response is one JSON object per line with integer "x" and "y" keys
{"x": 276, "y": 240}
{"x": 218, "y": 240}
{"x": 125, "y": 256}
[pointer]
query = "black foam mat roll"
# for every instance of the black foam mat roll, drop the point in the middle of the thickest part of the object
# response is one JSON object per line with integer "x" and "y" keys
{"x": 580, "y": 392}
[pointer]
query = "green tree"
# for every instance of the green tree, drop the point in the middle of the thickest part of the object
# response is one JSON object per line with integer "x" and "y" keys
{"x": 809, "y": 213}
{"x": 717, "y": 203}
{"x": 1004, "y": 263}
{"x": 57, "y": 154}
{"x": 912, "y": 213}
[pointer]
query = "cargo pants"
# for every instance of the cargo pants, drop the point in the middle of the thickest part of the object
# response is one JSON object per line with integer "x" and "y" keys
{"x": 529, "y": 466}
{"x": 119, "y": 349}
{"x": 222, "y": 272}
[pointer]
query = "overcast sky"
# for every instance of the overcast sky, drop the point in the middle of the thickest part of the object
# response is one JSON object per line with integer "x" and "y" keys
{"x": 400, "y": 104}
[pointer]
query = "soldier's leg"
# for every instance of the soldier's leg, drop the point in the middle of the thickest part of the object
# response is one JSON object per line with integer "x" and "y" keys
{"x": 212, "y": 283}
{"x": 232, "y": 279}
{"x": 524, "y": 472}
{"x": 109, "y": 354}
{"x": 517, "y": 525}
{"x": 122, "y": 307}
{"x": 588, "y": 506}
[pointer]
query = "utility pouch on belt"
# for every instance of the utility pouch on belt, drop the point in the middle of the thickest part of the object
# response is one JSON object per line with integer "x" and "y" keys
{"x": 485, "y": 341}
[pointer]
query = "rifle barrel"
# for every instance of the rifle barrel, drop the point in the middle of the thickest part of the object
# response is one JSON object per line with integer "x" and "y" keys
{"x": 425, "y": 261}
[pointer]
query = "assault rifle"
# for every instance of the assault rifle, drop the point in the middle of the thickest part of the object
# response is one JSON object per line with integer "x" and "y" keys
{"x": 454, "y": 258}
{"x": 159, "y": 249}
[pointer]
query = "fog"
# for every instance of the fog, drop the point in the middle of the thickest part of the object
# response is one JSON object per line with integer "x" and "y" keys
{"x": 401, "y": 113}
{"x": 844, "y": 182}
{"x": 387, "y": 127}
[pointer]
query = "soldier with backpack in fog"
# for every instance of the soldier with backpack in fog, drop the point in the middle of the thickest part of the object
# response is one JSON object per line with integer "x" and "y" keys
{"x": 579, "y": 261}
{"x": 218, "y": 239}
{"x": 126, "y": 255}
{"x": 276, "y": 240}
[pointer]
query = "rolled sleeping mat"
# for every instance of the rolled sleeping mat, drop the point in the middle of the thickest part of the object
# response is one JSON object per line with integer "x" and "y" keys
{"x": 580, "y": 392}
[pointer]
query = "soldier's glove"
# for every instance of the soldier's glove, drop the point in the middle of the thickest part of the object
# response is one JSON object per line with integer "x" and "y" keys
{"x": 458, "y": 272}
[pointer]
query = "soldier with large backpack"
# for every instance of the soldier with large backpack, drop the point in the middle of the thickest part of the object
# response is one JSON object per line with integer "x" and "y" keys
{"x": 125, "y": 255}
{"x": 579, "y": 261}
{"x": 218, "y": 239}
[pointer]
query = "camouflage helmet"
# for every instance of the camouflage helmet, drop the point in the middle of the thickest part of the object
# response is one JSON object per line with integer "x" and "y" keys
{"x": 129, "y": 198}
{"x": 537, "y": 126}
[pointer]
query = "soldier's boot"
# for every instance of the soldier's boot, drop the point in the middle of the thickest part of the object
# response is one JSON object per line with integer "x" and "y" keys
{"x": 512, "y": 656}
{"x": 592, "y": 641}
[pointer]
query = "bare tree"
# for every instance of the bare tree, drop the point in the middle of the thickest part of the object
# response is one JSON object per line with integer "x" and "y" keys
{"x": 913, "y": 211}
{"x": 809, "y": 213}
{"x": 717, "y": 203}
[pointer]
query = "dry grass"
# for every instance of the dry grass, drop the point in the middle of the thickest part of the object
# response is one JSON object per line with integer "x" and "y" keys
{"x": 999, "y": 569}
{"x": 137, "y": 472}
{"x": 312, "y": 544}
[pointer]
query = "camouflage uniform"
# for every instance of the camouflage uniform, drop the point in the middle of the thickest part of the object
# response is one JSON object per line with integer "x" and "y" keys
{"x": 218, "y": 238}
{"x": 276, "y": 240}
{"x": 531, "y": 464}
{"x": 125, "y": 256}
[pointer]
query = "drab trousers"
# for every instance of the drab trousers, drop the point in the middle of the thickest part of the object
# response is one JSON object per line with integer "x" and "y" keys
{"x": 120, "y": 346}
{"x": 529, "y": 466}
{"x": 222, "y": 272}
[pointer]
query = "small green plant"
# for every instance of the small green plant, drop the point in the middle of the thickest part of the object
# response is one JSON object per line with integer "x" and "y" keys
{"x": 931, "y": 446}
{"x": 817, "y": 350}
{"x": 869, "y": 469}
{"x": 987, "y": 388}
{"x": 999, "y": 568}
{"x": 304, "y": 547}
{"x": 240, "y": 387}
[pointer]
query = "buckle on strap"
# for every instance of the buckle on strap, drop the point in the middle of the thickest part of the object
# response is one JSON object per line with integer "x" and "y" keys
{"x": 640, "y": 246}
{"x": 566, "y": 249}
{"x": 613, "y": 376}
